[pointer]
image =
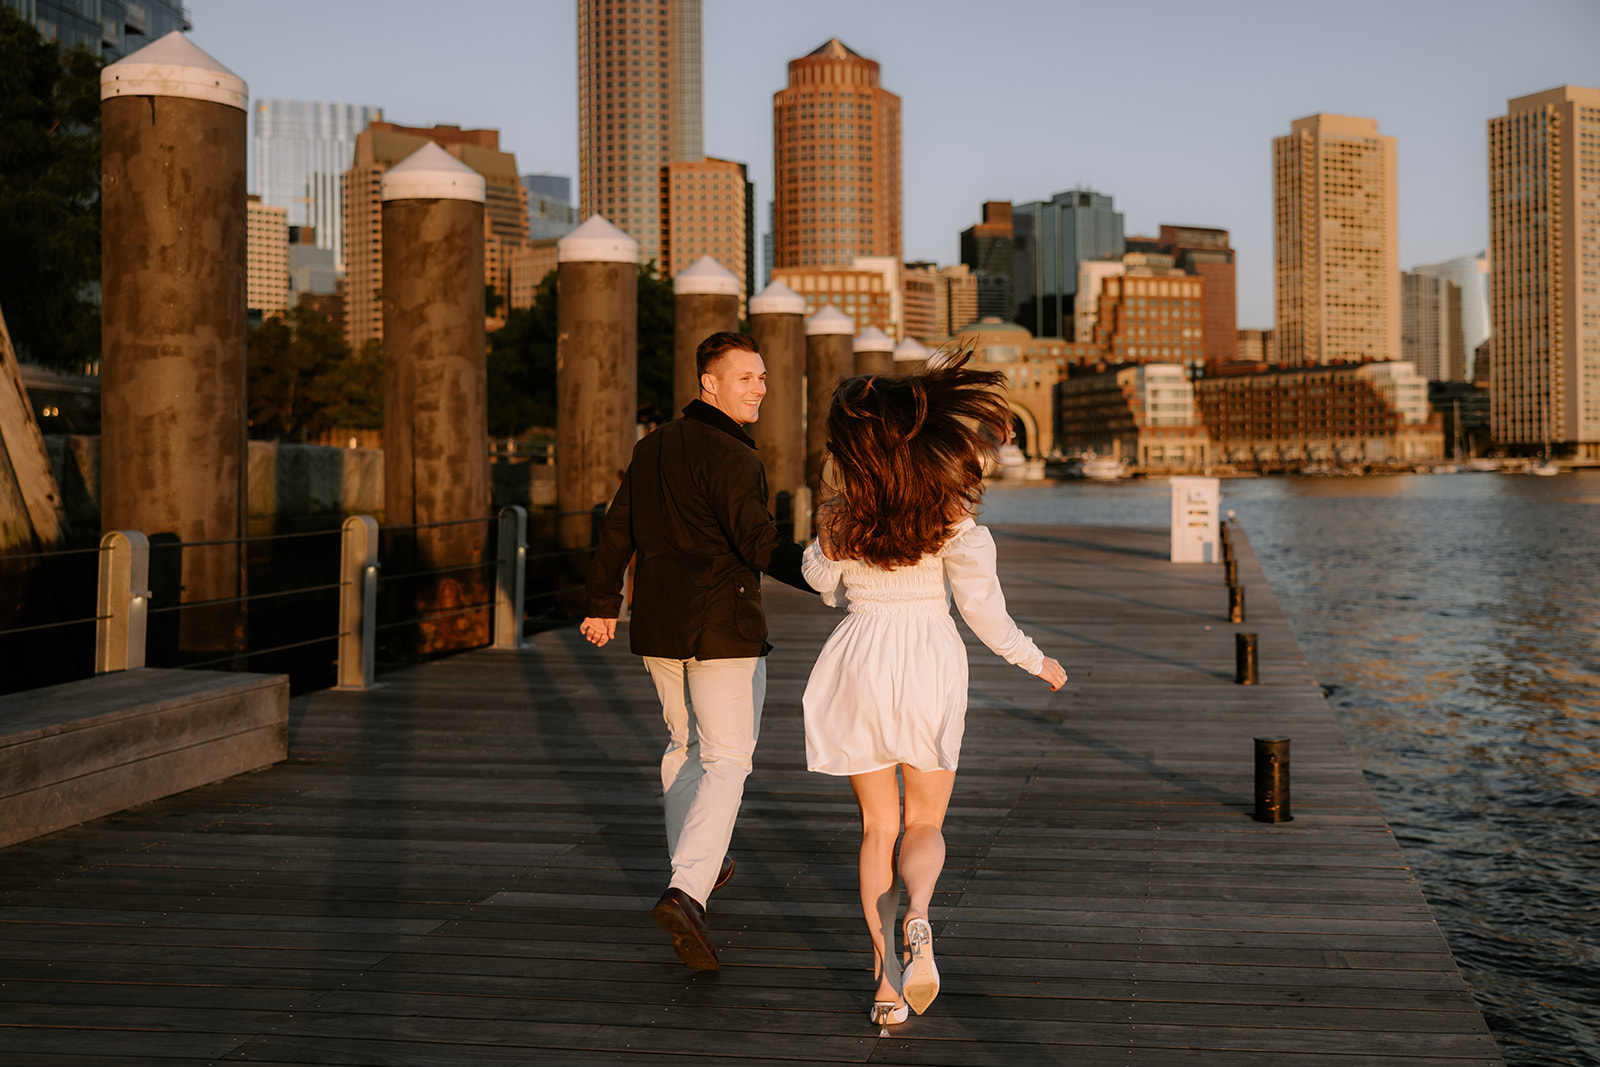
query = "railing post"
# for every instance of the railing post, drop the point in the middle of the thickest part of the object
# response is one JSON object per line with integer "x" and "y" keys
{"x": 124, "y": 597}
{"x": 358, "y": 602}
{"x": 511, "y": 574}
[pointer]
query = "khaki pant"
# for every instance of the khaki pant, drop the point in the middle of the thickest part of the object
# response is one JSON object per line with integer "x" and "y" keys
{"x": 712, "y": 709}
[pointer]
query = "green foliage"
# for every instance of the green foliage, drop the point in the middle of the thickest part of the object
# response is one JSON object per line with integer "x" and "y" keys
{"x": 522, "y": 359}
{"x": 303, "y": 381}
{"x": 49, "y": 196}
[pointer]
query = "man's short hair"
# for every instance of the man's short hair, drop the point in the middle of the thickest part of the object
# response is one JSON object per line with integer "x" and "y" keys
{"x": 716, "y": 346}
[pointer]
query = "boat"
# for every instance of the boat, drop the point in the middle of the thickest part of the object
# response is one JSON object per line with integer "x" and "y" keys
{"x": 1541, "y": 468}
{"x": 1103, "y": 468}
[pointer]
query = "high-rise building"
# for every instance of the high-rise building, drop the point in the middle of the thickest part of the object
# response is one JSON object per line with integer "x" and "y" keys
{"x": 1205, "y": 252}
{"x": 925, "y": 296}
{"x": 986, "y": 250}
{"x": 836, "y": 162}
{"x": 1544, "y": 272}
{"x": 108, "y": 28}
{"x": 961, "y": 289}
{"x": 1336, "y": 244}
{"x": 640, "y": 107}
{"x": 1471, "y": 273}
{"x": 767, "y": 247}
{"x": 550, "y": 209}
{"x": 380, "y": 146}
{"x": 1049, "y": 239}
{"x": 299, "y": 151}
{"x": 708, "y": 213}
{"x": 1430, "y": 327}
{"x": 266, "y": 257}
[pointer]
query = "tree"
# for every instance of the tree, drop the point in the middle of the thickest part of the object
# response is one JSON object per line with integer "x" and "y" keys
{"x": 522, "y": 359}
{"x": 302, "y": 380}
{"x": 49, "y": 196}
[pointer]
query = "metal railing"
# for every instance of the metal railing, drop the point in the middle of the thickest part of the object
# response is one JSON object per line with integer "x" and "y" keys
{"x": 124, "y": 597}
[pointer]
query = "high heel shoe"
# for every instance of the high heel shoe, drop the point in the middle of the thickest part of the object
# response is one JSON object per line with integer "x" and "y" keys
{"x": 887, "y": 1013}
{"x": 921, "y": 983}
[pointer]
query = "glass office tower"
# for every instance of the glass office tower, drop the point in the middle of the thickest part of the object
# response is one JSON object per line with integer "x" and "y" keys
{"x": 1050, "y": 238}
{"x": 299, "y": 151}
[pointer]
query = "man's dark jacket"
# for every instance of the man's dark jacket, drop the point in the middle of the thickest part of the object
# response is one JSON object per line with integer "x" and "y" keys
{"x": 693, "y": 506}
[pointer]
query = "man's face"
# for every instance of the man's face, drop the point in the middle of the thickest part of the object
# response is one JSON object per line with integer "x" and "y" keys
{"x": 735, "y": 386}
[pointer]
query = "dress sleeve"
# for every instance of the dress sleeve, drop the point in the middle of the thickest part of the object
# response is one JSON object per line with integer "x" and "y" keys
{"x": 826, "y": 576}
{"x": 969, "y": 565}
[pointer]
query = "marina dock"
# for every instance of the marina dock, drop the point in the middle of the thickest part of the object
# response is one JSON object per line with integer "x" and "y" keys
{"x": 458, "y": 868}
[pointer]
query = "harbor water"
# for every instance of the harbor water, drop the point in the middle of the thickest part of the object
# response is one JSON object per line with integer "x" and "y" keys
{"x": 1454, "y": 622}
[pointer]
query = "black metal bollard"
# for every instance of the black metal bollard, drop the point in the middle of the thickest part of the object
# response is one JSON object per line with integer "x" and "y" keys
{"x": 1244, "y": 659}
{"x": 1230, "y": 569}
{"x": 1236, "y": 603}
{"x": 1272, "y": 780}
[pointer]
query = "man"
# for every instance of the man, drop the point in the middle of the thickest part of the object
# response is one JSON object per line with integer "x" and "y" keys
{"x": 693, "y": 508}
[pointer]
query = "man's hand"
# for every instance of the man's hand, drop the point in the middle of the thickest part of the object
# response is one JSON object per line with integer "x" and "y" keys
{"x": 599, "y": 631}
{"x": 1052, "y": 674}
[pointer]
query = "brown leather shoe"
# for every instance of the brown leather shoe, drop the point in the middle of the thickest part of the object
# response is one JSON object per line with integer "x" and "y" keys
{"x": 724, "y": 874}
{"x": 681, "y": 916}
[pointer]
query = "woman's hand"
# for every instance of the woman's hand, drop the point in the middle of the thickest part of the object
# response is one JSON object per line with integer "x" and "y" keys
{"x": 1052, "y": 674}
{"x": 598, "y": 631}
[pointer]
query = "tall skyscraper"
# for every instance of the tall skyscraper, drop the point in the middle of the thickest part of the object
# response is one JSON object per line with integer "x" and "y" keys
{"x": 380, "y": 146}
{"x": 640, "y": 107}
{"x": 836, "y": 162}
{"x": 1544, "y": 272}
{"x": 108, "y": 28}
{"x": 1471, "y": 274}
{"x": 1049, "y": 239}
{"x": 1336, "y": 242}
{"x": 299, "y": 151}
{"x": 986, "y": 250}
{"x": 709, "y": 213}
{"x": 1430, "y": 327}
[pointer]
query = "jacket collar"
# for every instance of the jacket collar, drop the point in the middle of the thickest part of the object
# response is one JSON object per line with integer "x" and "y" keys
{"x": 700, "y": 411}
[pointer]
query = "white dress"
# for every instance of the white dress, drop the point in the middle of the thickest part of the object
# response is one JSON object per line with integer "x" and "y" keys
{"x": 890, "y": 686}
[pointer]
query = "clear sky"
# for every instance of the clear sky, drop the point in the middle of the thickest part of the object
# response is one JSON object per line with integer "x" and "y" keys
{"x": 1169, "y": 106}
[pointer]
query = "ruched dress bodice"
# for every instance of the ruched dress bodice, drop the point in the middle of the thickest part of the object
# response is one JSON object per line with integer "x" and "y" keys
{"x": 890, "y": 685}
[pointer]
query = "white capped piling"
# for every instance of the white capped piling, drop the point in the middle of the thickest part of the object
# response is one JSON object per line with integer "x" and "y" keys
{"x": 910, "y": 356}
{"x": 777, "y": 322}
{"x": 597, "y": 359}
{"x": 829, "y": 359}
{"x": 705, "y": 300}
{"x": 172, "y": 215}
{"x": 874, "y": 352}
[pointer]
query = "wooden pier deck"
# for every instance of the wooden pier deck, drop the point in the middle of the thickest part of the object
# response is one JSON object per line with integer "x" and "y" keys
{"x": 458, "y": 869}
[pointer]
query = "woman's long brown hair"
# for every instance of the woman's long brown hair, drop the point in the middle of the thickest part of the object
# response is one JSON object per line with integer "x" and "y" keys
{"x": 909, "y": 454}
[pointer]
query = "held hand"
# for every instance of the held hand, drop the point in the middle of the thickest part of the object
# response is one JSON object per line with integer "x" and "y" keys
{"x": 1052, "y": 674}
{"x": 598, "y": 631}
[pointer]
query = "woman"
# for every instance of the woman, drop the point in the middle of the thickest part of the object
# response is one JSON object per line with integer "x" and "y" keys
{"x": 888, "y": 695}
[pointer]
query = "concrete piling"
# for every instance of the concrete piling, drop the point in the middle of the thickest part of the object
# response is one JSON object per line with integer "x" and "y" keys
{"x": 829, "y": 359}
{"x": 705, "y": 300}
{"x": 435, "y": 392}
{"x": 874, "y": 352}
{"x": 173, "y": 425}
{"x": 597, "y": 359}
{"x": 777, "y": 322}
{"x": 910, "y": 356}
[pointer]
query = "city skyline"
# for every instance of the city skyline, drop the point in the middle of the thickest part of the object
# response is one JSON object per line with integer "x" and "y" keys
{"x": 1192, "y": 98}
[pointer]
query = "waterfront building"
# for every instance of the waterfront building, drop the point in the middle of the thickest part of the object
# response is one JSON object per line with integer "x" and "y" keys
{"x": 710, "y": 212}
{"x": 1471, "y": 273}
{"x": 1144, "y": 415}
{"x": 1544, "y": 272}
{"x": 836, "y": 162}
{"x": 266, "y": 257}
{"x": 551, "y": 212}
{"x": 111, "y": 29}
{"x": 1430, "y": 327}
{"x": 1335, "y": 239}
{"x": 868, "y": 291}
{"x": 1032, "y": 367}
{"x": 529, "y": 266}
{"x": 380, "y": 146}
{"x": 961, "y": 290}
{"x": 1256, "y": 346}
{"x": 1264, "y": 417}
{"x": 1150, "y": 314}
{"x": 986, "y": 251}
{"x": 1092, "y": 273}
{"x": 640, "y": 107}
{"x": 1205, "y": 252}
{"x": 299, "y": 151}
{"x": 925, "y": 298}
{"x": 1049, "y": 239}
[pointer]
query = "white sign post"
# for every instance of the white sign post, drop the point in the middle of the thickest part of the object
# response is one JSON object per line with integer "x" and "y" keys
{"x": 1195, "y": 503}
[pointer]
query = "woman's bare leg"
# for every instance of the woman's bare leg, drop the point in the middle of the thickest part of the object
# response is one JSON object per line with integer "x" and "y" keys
{"x": 922, "y": 851}
{"x": 878, "y": 796}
